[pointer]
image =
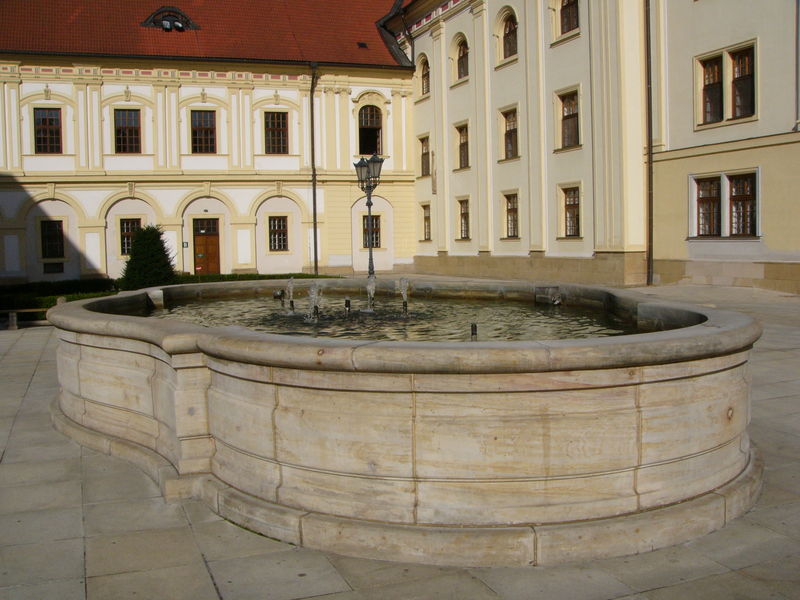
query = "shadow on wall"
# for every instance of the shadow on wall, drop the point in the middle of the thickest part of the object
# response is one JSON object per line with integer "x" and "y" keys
{"x": 46, "y": 236}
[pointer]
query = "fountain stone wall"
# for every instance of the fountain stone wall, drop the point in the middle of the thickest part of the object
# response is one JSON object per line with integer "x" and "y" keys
{"x": 474, "y": 453}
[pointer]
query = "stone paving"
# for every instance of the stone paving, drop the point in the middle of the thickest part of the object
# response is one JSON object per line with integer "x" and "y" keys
{"x": 77, "y": 524}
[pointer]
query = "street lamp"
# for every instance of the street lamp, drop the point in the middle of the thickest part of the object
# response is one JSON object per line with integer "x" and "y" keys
{"x": 369, "y": 176}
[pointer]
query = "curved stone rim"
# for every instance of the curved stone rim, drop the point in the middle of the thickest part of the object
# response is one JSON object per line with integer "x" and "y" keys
{"x": 710, "y": 332}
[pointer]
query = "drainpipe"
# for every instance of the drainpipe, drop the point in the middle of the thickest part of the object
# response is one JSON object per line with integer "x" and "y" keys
{"x": 649, "y": 80}
{"x": 314, "y": 80}
{"x": 797, "y": 66}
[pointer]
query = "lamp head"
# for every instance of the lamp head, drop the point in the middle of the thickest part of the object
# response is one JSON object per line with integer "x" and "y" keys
{"x": 375, "y": 165}
{"x": 362, "y": 170}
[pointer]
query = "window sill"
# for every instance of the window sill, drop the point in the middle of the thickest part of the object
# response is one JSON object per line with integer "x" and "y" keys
{"x": 422, "y": 98}
{"x": 421, "y": 177}
{"x": 509, "y": 159}
{"x": 510, "y": 239}
{"x": 287, "y": 251}
{"x": 460, "y": 169}
{"x": 725, "y": 122}
{"x": 570, "y": 238}
{"x": 463, "y": 239}
{"x": 506, "y": 62}
{"x": 567, "y": 149}
{"x": 51, "y": 261}
{"x": 565, "y": 37}
{"x": 459, "y": 82}
{"x": 425, "y": 241}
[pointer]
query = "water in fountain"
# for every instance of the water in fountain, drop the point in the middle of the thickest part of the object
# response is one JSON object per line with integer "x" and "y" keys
{"x": 290, "y": 293}
{"x": 403, "y": 283}
{"x": 314, "y": 297}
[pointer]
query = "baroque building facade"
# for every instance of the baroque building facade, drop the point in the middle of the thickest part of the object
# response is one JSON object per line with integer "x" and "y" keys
{"x": 606, "y": 141}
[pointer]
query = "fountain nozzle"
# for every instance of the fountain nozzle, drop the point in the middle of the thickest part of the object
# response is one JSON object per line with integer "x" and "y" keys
{"x": 473, "y": 332}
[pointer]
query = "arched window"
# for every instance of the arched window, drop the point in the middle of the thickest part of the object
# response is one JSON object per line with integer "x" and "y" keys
{"x": 425, "y": 77}
{"x": 462, "y": 60}
{"x": 510, "y": 36}
{"x": 370, "y": 122}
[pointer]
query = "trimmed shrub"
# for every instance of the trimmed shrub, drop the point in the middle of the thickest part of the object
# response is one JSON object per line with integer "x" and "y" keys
{"x": 149, "y": 263}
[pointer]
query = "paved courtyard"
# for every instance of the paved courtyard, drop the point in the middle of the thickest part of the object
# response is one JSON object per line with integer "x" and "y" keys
{"x": 77, "y": 524}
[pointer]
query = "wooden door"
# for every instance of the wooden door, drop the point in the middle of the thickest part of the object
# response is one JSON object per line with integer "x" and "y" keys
{"x": 206, "y": 246}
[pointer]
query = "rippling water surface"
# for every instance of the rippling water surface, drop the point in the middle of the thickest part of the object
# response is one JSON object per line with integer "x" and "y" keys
{"x": 427, "y": 319}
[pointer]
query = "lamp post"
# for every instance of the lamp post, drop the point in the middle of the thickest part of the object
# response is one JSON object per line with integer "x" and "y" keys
{"x": 369, "y": 176}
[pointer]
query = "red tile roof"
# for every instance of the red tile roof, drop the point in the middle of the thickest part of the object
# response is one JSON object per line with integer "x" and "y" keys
{"x": 324, "y": 31}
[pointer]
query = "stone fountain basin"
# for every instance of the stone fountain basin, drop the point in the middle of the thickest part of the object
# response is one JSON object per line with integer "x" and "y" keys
{"x": 472, "y": 454}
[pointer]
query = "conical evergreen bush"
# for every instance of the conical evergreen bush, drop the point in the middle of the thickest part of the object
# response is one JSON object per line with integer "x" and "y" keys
{"x": 149, "y": 263}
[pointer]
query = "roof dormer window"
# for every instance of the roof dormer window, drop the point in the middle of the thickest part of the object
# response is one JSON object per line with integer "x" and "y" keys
{"x": 169, "y": 18}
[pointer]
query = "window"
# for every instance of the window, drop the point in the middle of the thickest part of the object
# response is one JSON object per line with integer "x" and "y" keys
{"x": 127, "y": 229}
{"x": 463, "y": 213}
{"x": 204, "y": 132}
{"x": 725, "y": 206}
{"x": 743, "y": 205}
{"x": 370, "y": 122}
{"x": 569, "y": 120}
{"x": 425, "y": 156}
{"x": 510, "y": 37}
{"x": 708, "y": 206}
{"x": 569, "y": 16}
{"x": 278, "y": 234}
{"x": 463, "y": 146}
{"x": 572, "y": 212}
{"x": 510, "y": 138}
{"x": 512, "y": 216}
{"x": 462, "y": 60}
{"x": 52, "y": 239}
{"x": 426, "y": 222}
{"x": 47, "y": 130}
{"x": 425, "y": 77}
{"x": 127, "y": 131}
{"x": 376, "y": 231}
{"x": 730, "y": 72}
{"x": 744, "y": 97}
{"x": 276, "y": 133}
{"x": 712, "y": 89}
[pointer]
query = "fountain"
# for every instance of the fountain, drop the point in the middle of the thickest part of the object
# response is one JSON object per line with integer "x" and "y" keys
{"x": 471, "y": 453}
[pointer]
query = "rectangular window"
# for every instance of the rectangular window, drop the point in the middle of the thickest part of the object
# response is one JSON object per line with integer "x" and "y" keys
{"x": 712, "y": 89}
{"x": 510, "y": 139}
{"x": 425, "y": 156}
{"x": 204, "y": 132}
{"x": 743, "y": 204}
{"x": 426, "y": 222}
{"x": 127, "y": 229}
{"x": 463, "y": 146}
{"x": 744, "y": 96}
{"x": 276, "y": 132}
{"x": 278, "y": 234}
{"x": 47, "y": 130}
{"x": 512, "y": 216}
{"x": 572, "y": 212}
{"x": 569, "y": 120}
{"x": 376, "y": 231}
{"x": 127, "y": 131}
{"x": 569, "y": 15}
{"x": 463, "y": 213}
{"x": 708, "y": 207}
{"x": 52, "y": 239}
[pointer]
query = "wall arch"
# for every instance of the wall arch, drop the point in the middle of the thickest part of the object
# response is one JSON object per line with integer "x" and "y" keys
{"x": 383, "y": 257}
{"x": 277, "y": 260}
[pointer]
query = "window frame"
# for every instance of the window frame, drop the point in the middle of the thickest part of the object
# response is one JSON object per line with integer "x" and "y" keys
{"x": 376, "y": 231}
{"x": 572, "y": 211}
{"x": 426, "y": 223}
{"x": 126, "y": 236}
{"x": 510, "y": 135}
{"x": 203, "y": 135}
{"x": 568, "y": 17}
{"x": 47, "y": 136}
{"x": 569, "y": 123}
{"x": 278, "y": 237}
{"x": 127, "y": 136}
{"x": 738, "y": 92}
{"x": 706, "y": 228}
{"x": 510, "y": 39}
{"x": 425, "y": 77}
{"x": 425, "y": 156}
{"x": 273, "y": 146}
{"x": 52, "y": 244}
{"x": 511, "y": 204}
{"x": 728, "y": 199}
{"x": 368, "y": 123}
{"x": 462, "y": 146}
{"x": 462, "y": 59}
{"x": 463, "y": 219}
